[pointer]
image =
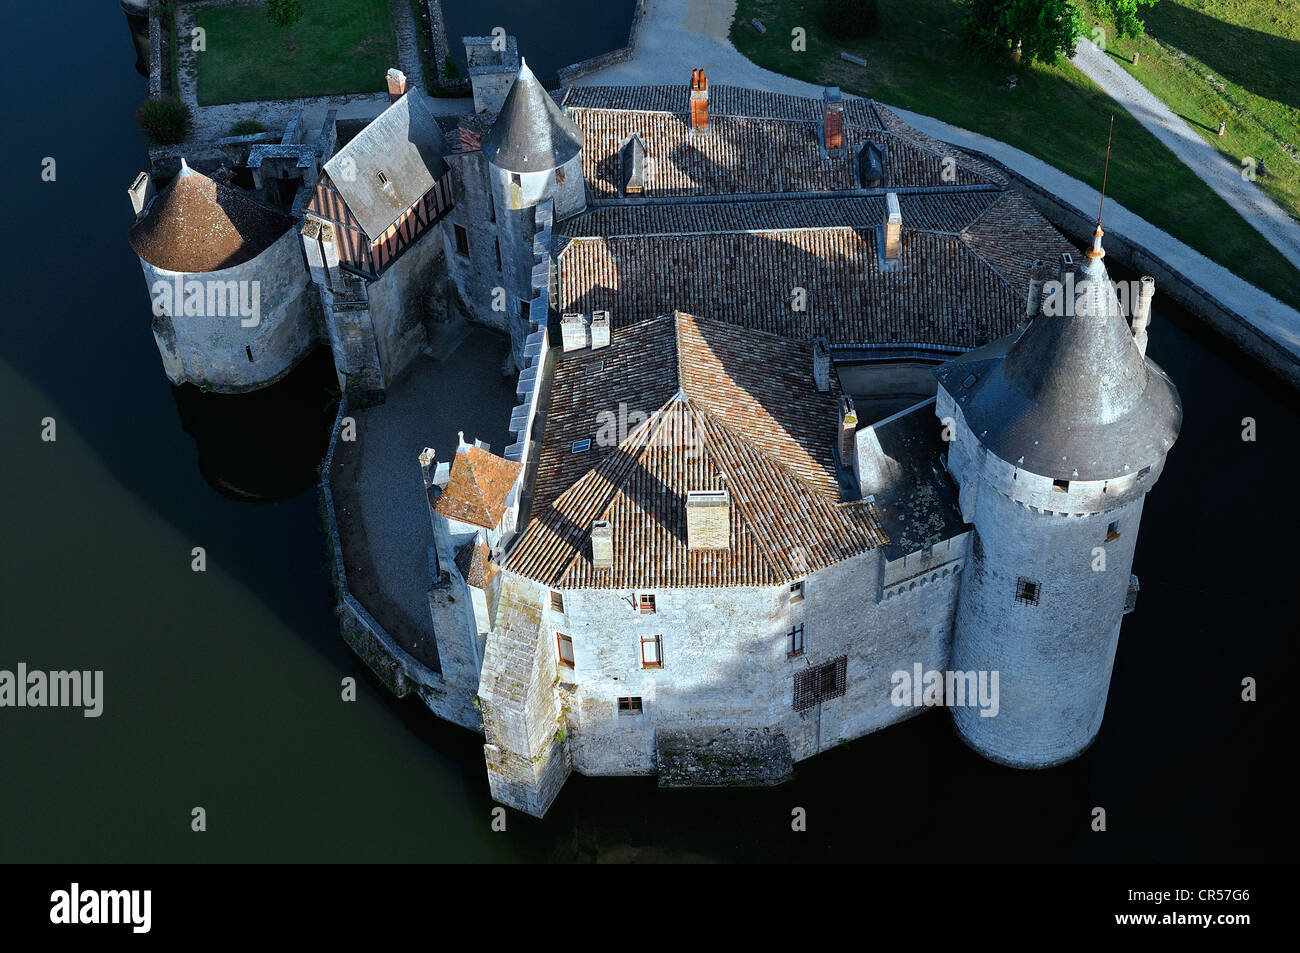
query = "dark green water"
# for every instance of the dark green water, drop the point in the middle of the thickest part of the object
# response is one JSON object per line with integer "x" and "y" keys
{"x": 222, "y": 688}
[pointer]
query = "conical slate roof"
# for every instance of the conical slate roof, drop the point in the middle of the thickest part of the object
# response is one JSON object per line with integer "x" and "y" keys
{"x": 196, "y": 225}
{"x": 531, "y": 134}
{"x": 1070, "y": 397}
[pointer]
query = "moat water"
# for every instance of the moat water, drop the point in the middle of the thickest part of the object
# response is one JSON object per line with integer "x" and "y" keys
{"x": 222, "y": 688}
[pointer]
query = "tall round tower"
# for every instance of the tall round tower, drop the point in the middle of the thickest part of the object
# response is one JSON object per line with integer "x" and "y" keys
{"x": 1057, "y": 434}
{"x": 534, "y": 153}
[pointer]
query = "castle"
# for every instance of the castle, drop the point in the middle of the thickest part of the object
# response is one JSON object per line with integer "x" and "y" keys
{"x": 809, "y": 402}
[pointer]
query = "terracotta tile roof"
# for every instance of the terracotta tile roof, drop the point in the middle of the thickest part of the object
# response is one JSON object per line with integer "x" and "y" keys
{"x": 197, "y": 225}
{"x": 707, "y": 406}
{"x": 944, "y": 293}
{"x": 1011, "y": 234}
{"x": 723, "y": 100}
{"x": 477, "y": 490}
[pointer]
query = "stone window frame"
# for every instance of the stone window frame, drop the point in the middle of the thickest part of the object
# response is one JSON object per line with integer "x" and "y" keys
{"x": 629, "y": 705}
{"x": 557, "y": 601}
{"x": 562, "y": 640}
{"x": 658, "y": 642}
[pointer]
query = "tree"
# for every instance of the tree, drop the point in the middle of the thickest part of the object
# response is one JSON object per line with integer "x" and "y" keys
{"x": 164, "y": 122}
{"x": 284, "y": 13}
{"x": 1032, "y": 29}
{"x": 1124, "y": 14}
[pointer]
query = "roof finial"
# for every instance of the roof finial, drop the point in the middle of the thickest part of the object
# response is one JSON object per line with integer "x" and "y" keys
{"x": 185, "y": 168}
{"x": 1097, "y": 251}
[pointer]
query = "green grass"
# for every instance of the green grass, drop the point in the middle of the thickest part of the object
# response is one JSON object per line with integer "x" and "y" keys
{"x": 339, "y": 46}
{"x": 1212, "y": 60}
{"x": 916, "y": 60}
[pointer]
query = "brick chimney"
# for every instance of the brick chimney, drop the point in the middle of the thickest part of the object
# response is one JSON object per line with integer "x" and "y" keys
{"x": 699, "y": 100}
{"x": 396, "y": 85}
{"x": 599, "y": 329}
{"x": 848, "y": 432}
{"x": 708, "y": 519}
{"x": 893, "y": 228}
{"x": 1142, "y": 313}
{"x": 141, "y": 192}
{"x": 821, "y": 364}
{"x": 602, "y": 545}
{"x": 833, "y": 122}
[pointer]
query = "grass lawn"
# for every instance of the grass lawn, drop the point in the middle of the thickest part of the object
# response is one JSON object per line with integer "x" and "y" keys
{"x": 339, "y": 46}
{"x": 915, "y": 60}
{"x": 1233, "y": 60}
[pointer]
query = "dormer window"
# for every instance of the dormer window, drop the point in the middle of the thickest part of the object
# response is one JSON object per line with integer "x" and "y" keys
{"x": 871, "y": 167}
{"x": 632, "y": 167}
{"x": 1061, "y": 486}
{"x": 383, "y": 179}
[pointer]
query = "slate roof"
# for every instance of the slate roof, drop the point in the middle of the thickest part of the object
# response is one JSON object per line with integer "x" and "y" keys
{"x": 479, "y": 484}
{"x": 1070, "y": 397}
{"x": 197, "y": 225}
{"x": 474, "y": 561}
{"x": 404, "y": 142}
{"x": 531, "y": 133}
{"x": 705, "y": 405}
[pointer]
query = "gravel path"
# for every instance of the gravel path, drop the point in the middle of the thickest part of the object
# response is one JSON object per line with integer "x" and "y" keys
{"x": 1278, "y": 228}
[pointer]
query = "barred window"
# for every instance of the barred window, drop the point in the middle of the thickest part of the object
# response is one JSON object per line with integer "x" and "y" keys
{"x": 820, "y": 683}
{"x": 1028, "y": 591}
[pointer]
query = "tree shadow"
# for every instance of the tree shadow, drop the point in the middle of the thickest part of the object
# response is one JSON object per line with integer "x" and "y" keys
{"x": 1259, "y": 62}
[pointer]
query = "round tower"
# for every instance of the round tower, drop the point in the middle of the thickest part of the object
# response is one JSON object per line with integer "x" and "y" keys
{"x": 1057, "y": 434}
{"x": 534, "y": 153}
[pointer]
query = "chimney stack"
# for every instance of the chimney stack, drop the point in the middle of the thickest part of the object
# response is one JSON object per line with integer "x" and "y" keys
{"x": 833, "y": 121}
{"x": 427, "y": 466}
{"x": 141, "y": 192}
{"x": 599, "y": 329}
{"x": 893, "y": 228}
{"x": 821, "y": 364}
{"x": 708, "y": 519}
{"x": 573, "y": 331}
{"x": 396, "y": 85}
{"x": 602, "y": 545}
{"x": 699, "y": 101}
{"x": 1067, "y": 266}
{"x": 848, "y": 432}
{"x": 1034, "y": 302}
{"x": 1142, "y": 313}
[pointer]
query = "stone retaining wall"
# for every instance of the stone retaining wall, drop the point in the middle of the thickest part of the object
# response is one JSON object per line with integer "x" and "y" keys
{"x": 575, "y": 71}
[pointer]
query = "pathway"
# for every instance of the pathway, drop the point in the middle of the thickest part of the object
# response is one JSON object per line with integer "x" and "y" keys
{"x": 1265, "y": 216}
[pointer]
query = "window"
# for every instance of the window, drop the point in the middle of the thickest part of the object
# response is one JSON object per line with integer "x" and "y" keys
{"x": 564, "y": 649}
{"x": 523, "y": 309}
{"x": 559, "y": 176}
{"x": 514, "y": 178}
{"x": 629, "y": 705}
{"x": 647, "y": 603}
{"x": 970, "y": 379}
{"x": 794, "y": 642}
{"x": 581, "y": 446}
{"x": 462, "y": 241}
{"x": 1061, "y": 486}
{"x": 796, "y": 591}
{"x": 383, "y": 179}
{"x": 492, "y": 208}
{"x": 1144, "y": 473}
{"x": 557, "y": 602}
{"x": 652, "y": 651}
{"x": 820, "y": 683}
{"x": 497, "y": 243}
{"x": 248, "y": 349}
{"x": 1027, "y": 591}
{"x": 1112, "y": 531}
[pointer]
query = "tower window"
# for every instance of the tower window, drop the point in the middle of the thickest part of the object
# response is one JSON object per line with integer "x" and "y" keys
{"x": 462, "y": 241}
{"x": 514, "y": 178}
{"x": 564, "y": 649}
{"x": 497, "y": 242}
{"x": 1112, "y": 531}
{"x": 1028, "y": 591}
{"x": 248, "y": 349}
{"x": 796, "y": 591}
{"x": 652, "y": 651}
{"x": 559, "y": 176}
{"x": 557, "y": 602}
{"x": 1061, "y": 486}
{"x": 630, "y": 705}
{"x": 383, "y": 179}
{"x": 647, "y": 603}
{"x": 794, "y": 644}
{"x": 820, "y": 683}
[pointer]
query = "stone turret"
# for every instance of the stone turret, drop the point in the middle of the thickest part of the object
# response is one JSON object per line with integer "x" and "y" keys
{"x": 1058, "y": 433}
